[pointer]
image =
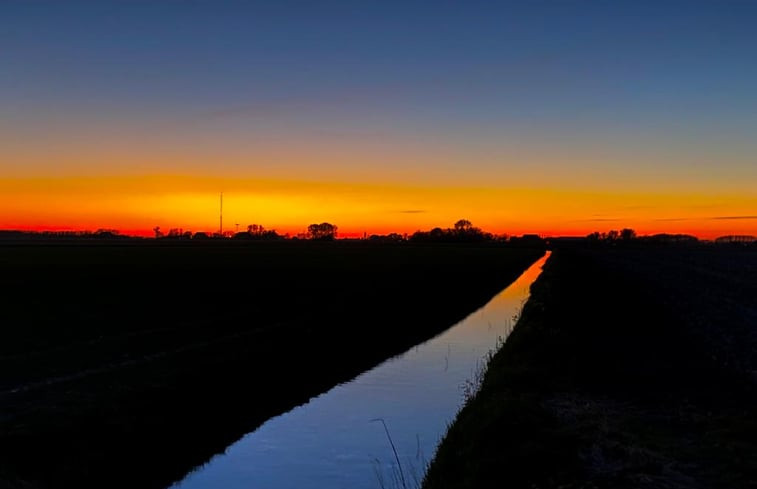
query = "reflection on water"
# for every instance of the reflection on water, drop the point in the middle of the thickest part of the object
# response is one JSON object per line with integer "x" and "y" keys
{"x": 334, "y": 440}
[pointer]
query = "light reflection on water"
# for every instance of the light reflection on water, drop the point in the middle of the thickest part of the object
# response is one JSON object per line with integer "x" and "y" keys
{"x": 331, "y": 442}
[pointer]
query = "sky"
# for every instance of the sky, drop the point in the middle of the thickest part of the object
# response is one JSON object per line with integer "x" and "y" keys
{"x": 548, "y": 117}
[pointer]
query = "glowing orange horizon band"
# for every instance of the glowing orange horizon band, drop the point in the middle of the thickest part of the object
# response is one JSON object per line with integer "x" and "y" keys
{"x": 135, "y": 205}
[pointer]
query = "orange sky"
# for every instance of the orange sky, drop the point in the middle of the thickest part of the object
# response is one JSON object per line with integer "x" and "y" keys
{"x": 136, "y": 204}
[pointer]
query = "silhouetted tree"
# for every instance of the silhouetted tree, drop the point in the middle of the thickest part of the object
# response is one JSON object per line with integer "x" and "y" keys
{"x": 436, "y": 233}
{"x": 158, "y": 233}
{"x": 255, "y": 229}
{"x": 527, "y": 240}
{"x": 627, "y": 234}
{"x": 258, "y": 233}
{"x": 463, "y": 231}
{"x": 323, "y": 231}
{"x": 463, "y": 226}
{"x": 106, "y": 233}
{"x": 389, "y": 238}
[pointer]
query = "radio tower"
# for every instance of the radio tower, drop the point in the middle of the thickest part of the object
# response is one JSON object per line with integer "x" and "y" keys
{"x": 220, "y": 218}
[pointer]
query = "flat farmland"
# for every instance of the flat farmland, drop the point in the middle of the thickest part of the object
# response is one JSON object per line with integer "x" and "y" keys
{"x": 126, "y": 364}
{"x": 631, "y": 367}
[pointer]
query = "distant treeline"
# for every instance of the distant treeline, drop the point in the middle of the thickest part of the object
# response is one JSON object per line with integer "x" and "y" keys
{"x": 628, "y": 235}
{"x": 463, "y": 231}
{"x": 98, "y": 234}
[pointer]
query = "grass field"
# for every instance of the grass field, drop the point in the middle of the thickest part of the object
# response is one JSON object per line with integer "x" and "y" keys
{"x": 127, "y": 364}
{"x": 631, "y": 367}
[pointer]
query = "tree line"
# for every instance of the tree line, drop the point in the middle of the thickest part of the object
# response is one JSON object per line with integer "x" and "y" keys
{"x": 321, "y": 232}
{"x": 461, "y": 231}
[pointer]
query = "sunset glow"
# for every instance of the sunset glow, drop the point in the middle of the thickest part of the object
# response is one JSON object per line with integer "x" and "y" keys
{"x": 137, "y": 204}
{"x": 522, "y": 120}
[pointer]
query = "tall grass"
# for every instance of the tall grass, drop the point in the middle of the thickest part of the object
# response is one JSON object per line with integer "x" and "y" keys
{"x": 472, "y": 386}
{"x": 395, "y": 477}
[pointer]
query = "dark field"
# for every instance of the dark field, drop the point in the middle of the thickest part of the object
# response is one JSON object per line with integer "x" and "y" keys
{"x": 630, "y": 368}
{"x": 126, "y": 365}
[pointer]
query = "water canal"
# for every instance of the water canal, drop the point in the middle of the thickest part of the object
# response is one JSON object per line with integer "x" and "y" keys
{"x": 337, "y": 440}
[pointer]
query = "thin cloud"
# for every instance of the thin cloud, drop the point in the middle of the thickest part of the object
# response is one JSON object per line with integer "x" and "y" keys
{"x": 713, "y": 218}
{"x": 412, "y": 211}
{"x": 601, "y": 219}
{"x": 729, "y": 218}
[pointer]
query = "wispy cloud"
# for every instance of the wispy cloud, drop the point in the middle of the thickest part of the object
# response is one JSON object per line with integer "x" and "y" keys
{"x": 412, "y": 211}
{"x": 711, "y": 218}
{"x": 728, "y": 218}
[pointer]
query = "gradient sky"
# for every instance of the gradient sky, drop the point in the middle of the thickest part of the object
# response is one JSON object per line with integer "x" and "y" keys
{"x": 549, "y": 117}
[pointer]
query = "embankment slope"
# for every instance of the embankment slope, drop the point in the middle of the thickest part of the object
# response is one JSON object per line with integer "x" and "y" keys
{"x": 613, "y": 378}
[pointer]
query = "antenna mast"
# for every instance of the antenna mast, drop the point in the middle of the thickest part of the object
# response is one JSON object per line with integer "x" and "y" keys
{"x": 220, "y": 218}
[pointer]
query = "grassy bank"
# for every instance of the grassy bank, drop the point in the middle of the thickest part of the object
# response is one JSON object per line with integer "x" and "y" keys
{"x": 627, "y": 369}
{"x": 126, "y": 365}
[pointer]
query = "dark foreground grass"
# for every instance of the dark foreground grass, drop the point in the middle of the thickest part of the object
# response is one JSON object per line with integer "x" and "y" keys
{"x": 127, "y": 365}
{"x": 626, "y": 370}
